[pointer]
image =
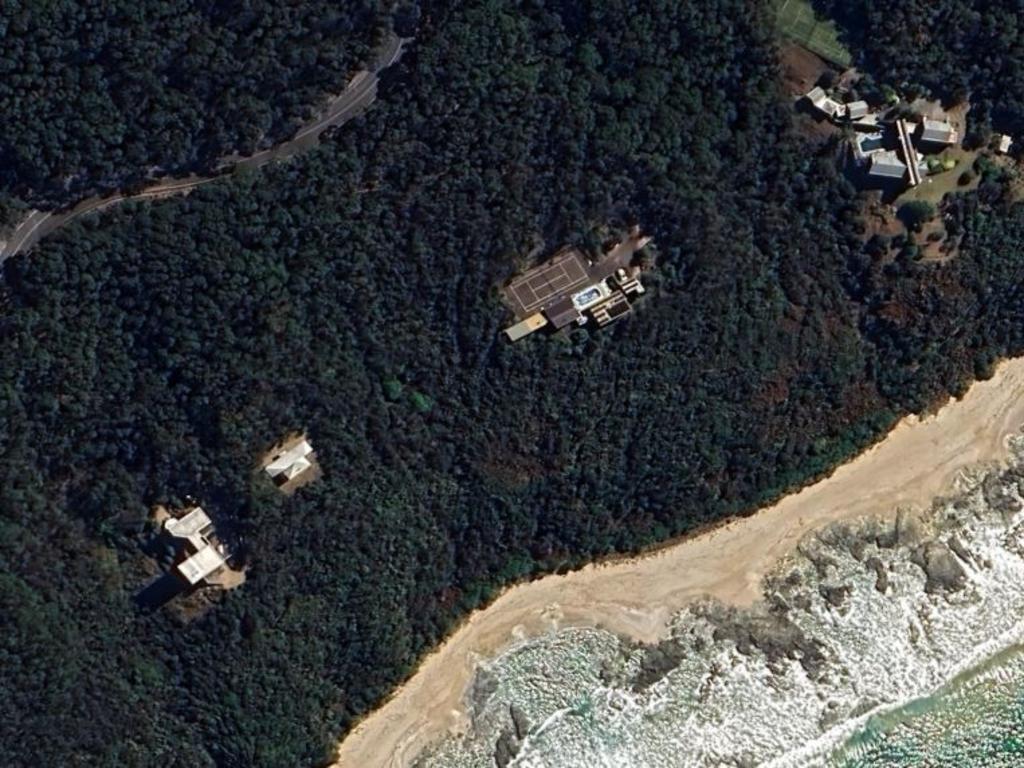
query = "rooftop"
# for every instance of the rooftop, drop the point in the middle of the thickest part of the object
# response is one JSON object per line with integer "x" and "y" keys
{"x": 201, "y": 564}
{"x": 291, "y": 463}
{"x": 938, "y": 132}
{"x": 887, "y": 164}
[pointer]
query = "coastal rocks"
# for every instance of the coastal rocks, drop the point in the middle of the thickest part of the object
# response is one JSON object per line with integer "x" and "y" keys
{"x": 773, "y": 634}
{"x": 943, "y": 571}
{"x": 657, "y": 661}
{"x": 881, "y": 574}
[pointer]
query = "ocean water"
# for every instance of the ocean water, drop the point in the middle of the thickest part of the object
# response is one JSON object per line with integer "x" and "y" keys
{"x": 976, "y": 720}
{"x": 897, "y": 642}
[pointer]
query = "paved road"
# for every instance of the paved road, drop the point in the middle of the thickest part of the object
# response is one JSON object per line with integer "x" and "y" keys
{"x": 360, "y": 93}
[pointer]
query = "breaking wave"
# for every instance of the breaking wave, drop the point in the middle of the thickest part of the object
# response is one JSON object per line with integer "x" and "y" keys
{"x": 858, "y": 656}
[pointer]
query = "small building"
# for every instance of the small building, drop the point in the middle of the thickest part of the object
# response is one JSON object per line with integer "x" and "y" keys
{"x": 1005, "y": 143}
{"x": 823, "y": 103}
{"x": 525, "y": 327}
{"x": 204, "y": 556}
{"x": 937, "y": 132}
{"x": 856, "y": 110}
{"x": 886, "y": 164}
{"x": 291, "y": 461}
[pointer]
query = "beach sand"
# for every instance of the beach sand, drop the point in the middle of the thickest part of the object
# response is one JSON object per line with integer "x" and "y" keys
{"x": 916, "y": 462}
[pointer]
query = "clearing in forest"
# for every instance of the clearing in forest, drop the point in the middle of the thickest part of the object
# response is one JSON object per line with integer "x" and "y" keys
{"x": 796, "y": 20}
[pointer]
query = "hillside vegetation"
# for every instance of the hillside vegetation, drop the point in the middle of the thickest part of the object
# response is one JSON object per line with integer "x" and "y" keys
{"x": 153, "y": 352}
{"x": 96, "y": 95}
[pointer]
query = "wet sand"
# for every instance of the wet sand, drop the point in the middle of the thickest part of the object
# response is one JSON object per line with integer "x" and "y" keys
{"x": 919, "y": 460}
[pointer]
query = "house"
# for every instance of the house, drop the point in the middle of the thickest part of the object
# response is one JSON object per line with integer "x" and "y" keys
{"x": 937, "y": 132}
{"x": 570, "y": 289}
{"x": 1005, "y": 143}
{"x": 203, "y": 557}
{"x": 290, "y": 461}
{"x": 886, "y": 164}
{"x": 856, "y": 110}
{"x": 823, "y": 103}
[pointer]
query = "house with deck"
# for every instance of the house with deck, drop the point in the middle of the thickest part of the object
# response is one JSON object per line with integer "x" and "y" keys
{"x": 570, "y": 289}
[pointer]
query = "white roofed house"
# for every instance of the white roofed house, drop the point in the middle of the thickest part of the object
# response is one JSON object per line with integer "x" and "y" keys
{"x": 1005, "y": 143}
{"x": 822, "y": 102}
{"x": 886, "y": 164}
{"x": 204, "y": 556}
{"x": 937, "y": 132}
{"x": 856, "y": 110}
{"x": 291, "y": 463}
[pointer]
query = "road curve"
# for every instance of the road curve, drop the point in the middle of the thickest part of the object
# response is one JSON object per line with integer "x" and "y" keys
{"x": 358, "y": 95}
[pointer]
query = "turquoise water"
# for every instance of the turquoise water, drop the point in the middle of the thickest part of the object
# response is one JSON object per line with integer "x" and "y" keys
{"x": 977, "y": 721}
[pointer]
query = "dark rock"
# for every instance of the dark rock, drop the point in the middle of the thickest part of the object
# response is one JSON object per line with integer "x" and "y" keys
{"x": 961, "y": 551}
{"x": 520, "y": 721}
{"x": 774, "y": 635}
{"x": 908, "y": 529}
{"x": 658, "y": 660}
{"x": 881, "y": 574}
{"x": 836, "y": 596}
{"x": 484, "y": 685}
{"x": 505, "y": 749}
{"x": 998, "y": 496}
{"x": 940, "y": 565}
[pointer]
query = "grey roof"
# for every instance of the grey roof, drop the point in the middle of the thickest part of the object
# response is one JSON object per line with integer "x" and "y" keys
{"x": 887, "y": 164}
{"x": 856, "y": 109}
{"x": 937, "y": 131}
{"x": 816, "y": 95}
{"x": 562, "y": 312}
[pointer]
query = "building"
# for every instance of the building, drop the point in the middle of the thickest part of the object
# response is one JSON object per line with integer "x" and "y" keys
{"x": 938, "y": 132}
{"x": 204, "y": 556}
{"x": 288, "y": 462}
{"x": 570, "y": 289}
{"x": 856, "y": 110}
{"x": 823, "y": 103}
{"x": 1005, "y": 143}
{"x": 886, "y": 164}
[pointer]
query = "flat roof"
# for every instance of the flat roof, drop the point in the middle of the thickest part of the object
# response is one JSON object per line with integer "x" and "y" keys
{"x": 562, "y": 312}
{"x": 887, "y": 163}
{"x": 283, "y": 461}
{"x": 564, "y": 273}
{"x": 201, "y": 564}
{"x": 189, "y": 526}
{"x": 526, "y": 327}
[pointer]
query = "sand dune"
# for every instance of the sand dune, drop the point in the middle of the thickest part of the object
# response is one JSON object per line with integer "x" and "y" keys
{"x": 917, "y": 461}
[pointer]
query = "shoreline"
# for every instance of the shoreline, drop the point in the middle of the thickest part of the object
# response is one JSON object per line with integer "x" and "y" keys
{"x": 918, "y": 460}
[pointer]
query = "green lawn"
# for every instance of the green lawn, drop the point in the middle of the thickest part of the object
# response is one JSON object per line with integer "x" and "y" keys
{"x": 796, "y": 20}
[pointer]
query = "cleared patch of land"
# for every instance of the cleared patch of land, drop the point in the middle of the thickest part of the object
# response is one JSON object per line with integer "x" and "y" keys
{"x": 796, "y": 20}
{"x": 919, "y": 460}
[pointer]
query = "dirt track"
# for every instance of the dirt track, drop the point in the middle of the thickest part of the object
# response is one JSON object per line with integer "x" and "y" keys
{"x": 917, "y": 461}
{"x": 360, "y": 93}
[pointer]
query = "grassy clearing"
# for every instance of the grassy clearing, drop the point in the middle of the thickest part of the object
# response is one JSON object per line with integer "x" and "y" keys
{"x": 935, "y": 186}
{"x": 796, "y": 20}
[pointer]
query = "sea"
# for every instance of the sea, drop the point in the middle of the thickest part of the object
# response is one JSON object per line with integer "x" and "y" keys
{"x": 897, "y": 641}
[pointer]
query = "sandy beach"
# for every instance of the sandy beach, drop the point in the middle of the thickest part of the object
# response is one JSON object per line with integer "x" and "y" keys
{"x": 919, "y": 460}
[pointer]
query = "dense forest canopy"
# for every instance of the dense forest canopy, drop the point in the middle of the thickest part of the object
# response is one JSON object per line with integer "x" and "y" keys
{"x": 954, "y": 49}
{"x": 96, "y": 94}
{"x": 153, "y": 352}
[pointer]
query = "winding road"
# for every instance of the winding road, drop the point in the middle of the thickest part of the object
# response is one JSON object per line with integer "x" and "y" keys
{"x": 358, "y": 95}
